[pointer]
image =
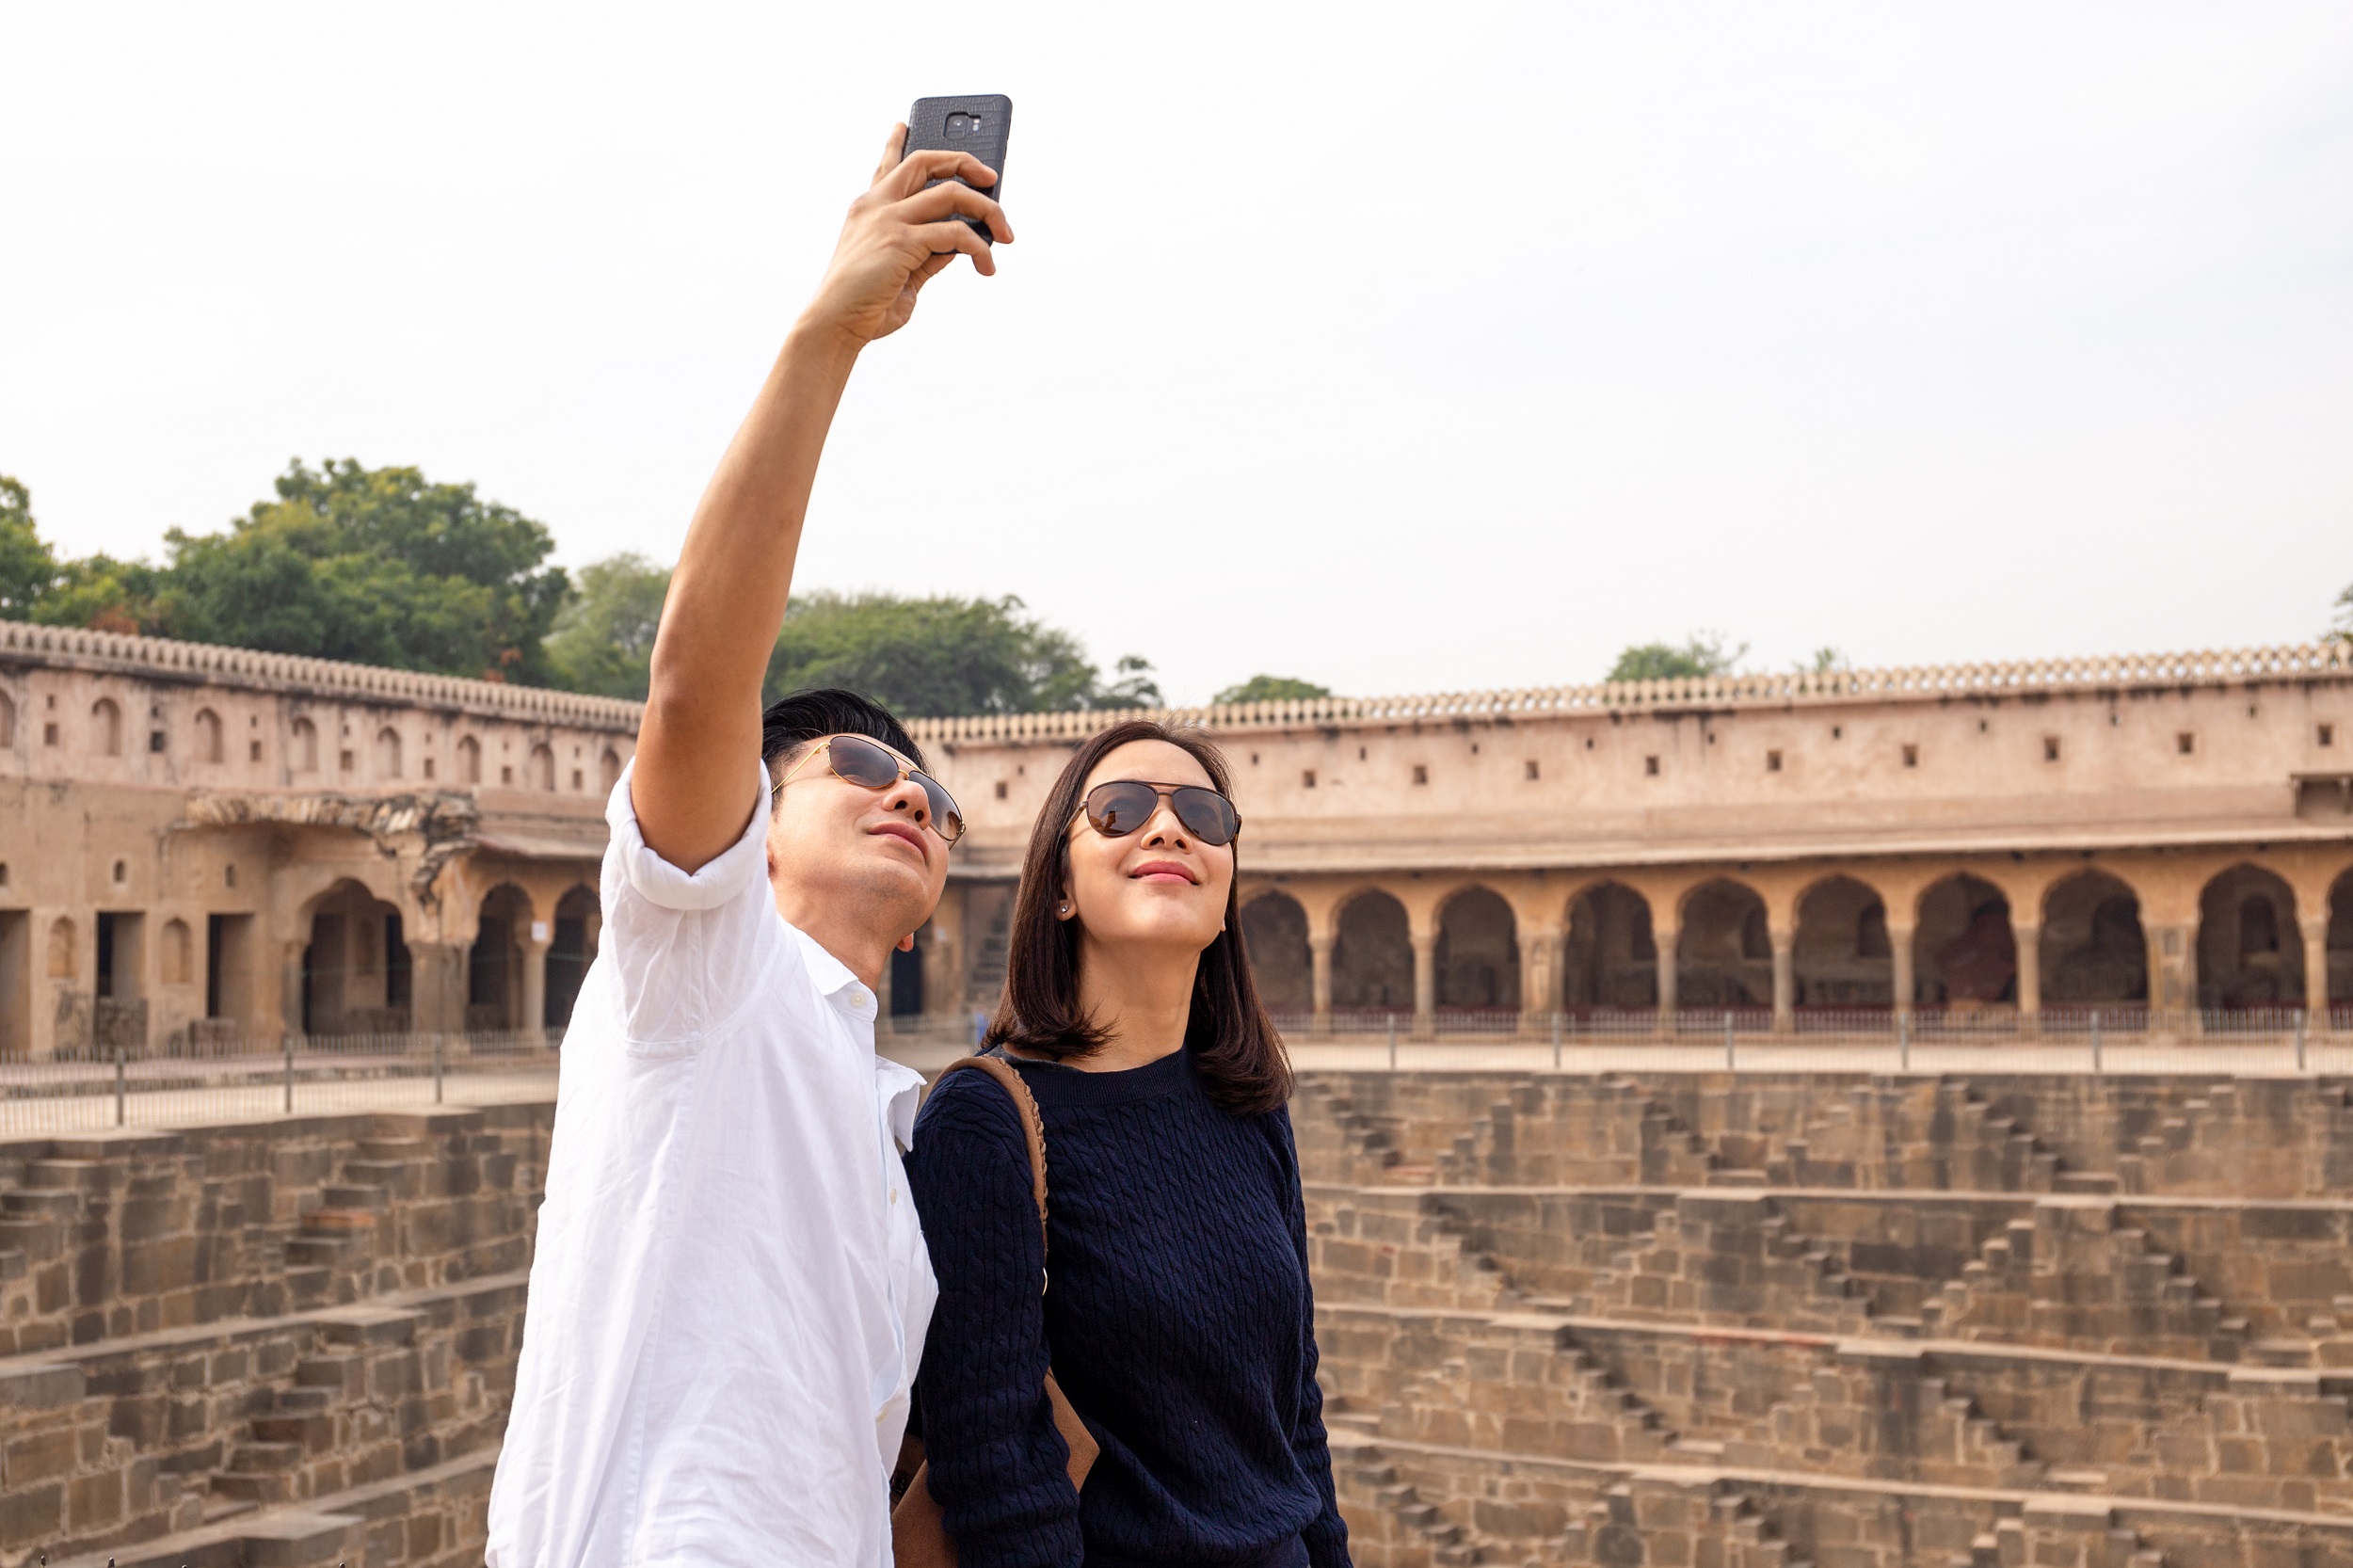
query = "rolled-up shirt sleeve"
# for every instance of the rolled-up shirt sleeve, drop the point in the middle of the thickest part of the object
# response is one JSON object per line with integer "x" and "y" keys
{"x": 682, "y": 944}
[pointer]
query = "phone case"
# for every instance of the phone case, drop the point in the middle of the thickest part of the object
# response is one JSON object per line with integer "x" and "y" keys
{"x": 990, "y": 114}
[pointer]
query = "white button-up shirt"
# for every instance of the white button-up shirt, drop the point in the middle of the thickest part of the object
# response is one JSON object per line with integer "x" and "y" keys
{"x": 731, "y": 1290}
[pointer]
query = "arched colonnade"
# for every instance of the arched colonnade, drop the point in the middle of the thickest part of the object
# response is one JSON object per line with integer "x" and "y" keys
{"x": 2026, "y": 937}
{"x": 509, "y": 953}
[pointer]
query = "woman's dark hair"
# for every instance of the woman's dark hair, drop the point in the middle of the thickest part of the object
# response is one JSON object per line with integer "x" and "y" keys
{"x": 1234, "y": 1046}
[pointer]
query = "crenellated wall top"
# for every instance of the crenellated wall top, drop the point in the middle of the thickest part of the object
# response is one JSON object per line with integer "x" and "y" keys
{"x": 158, "y": 657}
{"x": 324, "y": 679}
{"x": 2330, "y": 661}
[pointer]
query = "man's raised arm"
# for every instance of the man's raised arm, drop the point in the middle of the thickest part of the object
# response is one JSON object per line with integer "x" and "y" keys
{"x": 727, "y": 596}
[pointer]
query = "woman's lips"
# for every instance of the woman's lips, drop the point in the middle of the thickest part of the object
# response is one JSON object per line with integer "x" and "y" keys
{"x": 1161, "y": 871}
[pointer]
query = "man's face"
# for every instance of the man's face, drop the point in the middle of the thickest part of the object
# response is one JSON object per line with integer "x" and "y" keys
{"x": 870, "y": 857}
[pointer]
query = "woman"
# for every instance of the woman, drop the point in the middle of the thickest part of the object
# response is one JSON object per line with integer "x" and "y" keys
{"x": 1176, "y": 1318}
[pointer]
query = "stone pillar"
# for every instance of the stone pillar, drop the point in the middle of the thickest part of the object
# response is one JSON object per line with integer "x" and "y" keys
{"x": 944, "y": 957}
{"x": 290, "y": 986}
{"x": 2173, "y": 975}
{"x": 1540, "y": 978}
{"x": 2029, "y": 939}
{"x": 1425, "y": 984}
{"x": 533, "y": 946}
{"x": 1785, "y": 982}
{"x": 437, "y": 987}
{"x": 1319, "y": 968}
{"x": 1904, "y": 988}
{"x": 2316, "y": 971}
{"x": 1669, "y": 943}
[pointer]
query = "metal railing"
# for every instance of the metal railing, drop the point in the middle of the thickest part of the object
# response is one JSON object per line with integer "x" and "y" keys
{"x": 215, "y": 1081}
{"x": 2130, "y": 1038}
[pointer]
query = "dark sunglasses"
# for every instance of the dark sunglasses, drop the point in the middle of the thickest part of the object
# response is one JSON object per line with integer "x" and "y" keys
{"x": 1119, "y": 808}
{"x": 855, "y": 760}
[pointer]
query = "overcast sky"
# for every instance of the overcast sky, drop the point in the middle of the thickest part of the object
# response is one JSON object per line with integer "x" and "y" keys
{"x": 1399, "y": 348}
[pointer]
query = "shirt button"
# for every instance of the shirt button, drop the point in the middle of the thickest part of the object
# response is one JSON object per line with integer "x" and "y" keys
{"x": 894, "y": 1194}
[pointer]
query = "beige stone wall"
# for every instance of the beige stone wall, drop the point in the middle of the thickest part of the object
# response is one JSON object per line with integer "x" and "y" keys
{"x": 180, "y": 827}
{"x": 2022, "y": 842}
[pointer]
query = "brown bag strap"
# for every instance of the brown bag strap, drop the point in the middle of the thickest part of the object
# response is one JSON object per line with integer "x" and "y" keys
{"x": 1033, "y": 1126}
{"x": 918, "y": 1533}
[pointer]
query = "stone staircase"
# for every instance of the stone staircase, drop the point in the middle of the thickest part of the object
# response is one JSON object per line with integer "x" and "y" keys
{"x": 2074, "y": 1396}
{"x": 289, "y": 1343}
{"x": 2070, "y": 1276}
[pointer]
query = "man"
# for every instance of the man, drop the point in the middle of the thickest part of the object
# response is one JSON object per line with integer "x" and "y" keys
{"x": 731, "y": 1290}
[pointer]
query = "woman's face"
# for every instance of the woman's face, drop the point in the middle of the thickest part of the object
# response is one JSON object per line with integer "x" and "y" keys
{"x": 1160, "y": 886}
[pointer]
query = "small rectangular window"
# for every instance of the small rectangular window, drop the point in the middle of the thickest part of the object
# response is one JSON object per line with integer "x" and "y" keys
{"x": 1532, "y": 771}
{"x": 428, "y": 767}
{"x": 1650, "y": 766}
{"x": 253, "y": 751}
{"x": 1911, "y": 757}
{"x": 154, "y": 740}
{"x": 49, "y": 734}
{"x": 2185, "y": 743}
{"x": 579, "y": 781}
{"x": 2050, "y": 749}
{"x": 2328, "y": 734}
{"x": 347, "y": 761}
{"x": 1001, "y": 790}
{"x": 1772, "y": 762}
{"x": 507, "y": 775}
{"x": 1421, "y": 773}
{"x": 1307, "y": 779}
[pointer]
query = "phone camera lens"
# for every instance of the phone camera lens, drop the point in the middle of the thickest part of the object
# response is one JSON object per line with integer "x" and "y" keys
{"x": 959, "y": 125}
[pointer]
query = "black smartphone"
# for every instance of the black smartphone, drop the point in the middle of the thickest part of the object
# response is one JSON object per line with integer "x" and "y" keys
{"x": 977, "y": 124}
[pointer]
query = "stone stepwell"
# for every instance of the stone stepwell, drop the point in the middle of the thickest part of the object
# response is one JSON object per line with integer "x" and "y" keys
{"x": 1707, "y": 1321}
{"x": 290, "y": 1343}
{"x": 1638, "y": 1321}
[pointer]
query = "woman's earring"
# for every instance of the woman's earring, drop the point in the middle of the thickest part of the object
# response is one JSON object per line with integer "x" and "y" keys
{"x": 1064, "y": 911}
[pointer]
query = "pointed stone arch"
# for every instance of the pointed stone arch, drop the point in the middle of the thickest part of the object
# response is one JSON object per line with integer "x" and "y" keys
{"x": 1723, "y": 946}
{"x": 1274, "y": 934}
{"x": 1964, "y": 945}
{"x": 2250, "y": 953}
{"x": 1373, "y": 954}
{"x": 1841, "y": 955}
{"x": 2094, "y": 950}
{"x": 1610, "y": 961}
{"x": 1475, "y": 962}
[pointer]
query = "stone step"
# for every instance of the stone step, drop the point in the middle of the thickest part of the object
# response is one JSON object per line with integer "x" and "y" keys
{"x": 402, "y": 1178}
{"x": 309, "y": 1251}
{"x": 356, "y": 1222}
{"x": 85, "y": 1175}
{"x": 402, "y": 1150}
{"x": 305, "y": 1431}
{"x": 267, "y": 1455}
{"x": 64, "y": 1203}
{"x": 355, "y": 1198}
{"x": 256, "y": 1486}
{"x": 38, "y": 1238}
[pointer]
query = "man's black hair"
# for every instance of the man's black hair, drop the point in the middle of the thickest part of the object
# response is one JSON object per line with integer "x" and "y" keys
{"x": 792, "y": 722}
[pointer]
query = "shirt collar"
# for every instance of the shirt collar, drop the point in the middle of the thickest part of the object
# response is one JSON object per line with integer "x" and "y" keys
{"x": 831, "y": 976}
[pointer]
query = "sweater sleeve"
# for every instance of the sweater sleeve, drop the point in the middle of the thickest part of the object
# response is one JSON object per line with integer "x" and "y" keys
{"x": 1326, "y": 1535}
{"x": 998, "y": 1467}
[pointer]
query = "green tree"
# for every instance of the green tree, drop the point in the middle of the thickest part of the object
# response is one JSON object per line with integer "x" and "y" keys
{"x": 1702, "y": 653}
{"x": 381, "y": 565}
{"x": 2343, "y": 624}
{"x": 926, "y": 658}
{"x": 603, "y": 637}
{"x": 1270, "y": 688}
{"x": 1826, "y": 660}
{"x": 27, "y": 567}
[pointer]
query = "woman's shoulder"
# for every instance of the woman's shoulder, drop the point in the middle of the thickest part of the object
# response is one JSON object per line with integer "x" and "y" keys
{"x": 970, "y": 1111}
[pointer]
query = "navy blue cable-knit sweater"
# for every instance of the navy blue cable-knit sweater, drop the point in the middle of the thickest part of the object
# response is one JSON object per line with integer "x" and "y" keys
{"x": 1178, "y": 1315}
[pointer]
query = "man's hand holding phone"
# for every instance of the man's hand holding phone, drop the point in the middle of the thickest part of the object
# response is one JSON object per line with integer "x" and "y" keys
{"x": 900, "y": 235}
